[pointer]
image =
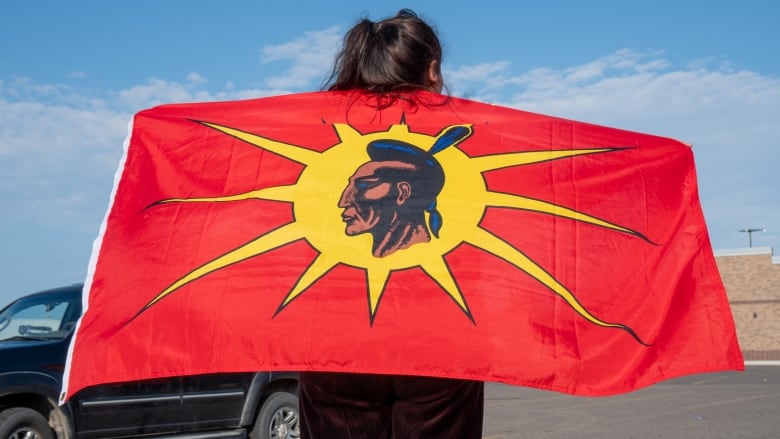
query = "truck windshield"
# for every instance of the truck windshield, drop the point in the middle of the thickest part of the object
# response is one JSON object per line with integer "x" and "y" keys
{"x": 38, "y": 318}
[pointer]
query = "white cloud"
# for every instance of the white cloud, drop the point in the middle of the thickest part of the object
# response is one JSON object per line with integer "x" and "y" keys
{"x": 157, "y": 92}
{"x": 194, "y": 78}
{"x": 311, "y": 57}
{"x": 56, "y": 160}
{"x": 22, "y": 89}
{"x": 478, "y": 72}
{"x": 154, "y": 92}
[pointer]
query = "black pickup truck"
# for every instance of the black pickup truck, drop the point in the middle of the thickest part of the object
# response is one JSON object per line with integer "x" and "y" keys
{"x": 35, "y": 332}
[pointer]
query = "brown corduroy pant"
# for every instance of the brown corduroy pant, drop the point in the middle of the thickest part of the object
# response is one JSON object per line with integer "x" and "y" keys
{"x": 364, "y": 406}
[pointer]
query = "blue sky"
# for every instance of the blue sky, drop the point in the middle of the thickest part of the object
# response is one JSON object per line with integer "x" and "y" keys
{"x": 72, "y": 74}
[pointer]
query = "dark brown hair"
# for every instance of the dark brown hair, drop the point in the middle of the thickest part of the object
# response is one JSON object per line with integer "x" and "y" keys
{"x": 388, "y": 56}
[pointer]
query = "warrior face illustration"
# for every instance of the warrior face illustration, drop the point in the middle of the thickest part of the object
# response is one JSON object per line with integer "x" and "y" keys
{"x": 389, "y": 195}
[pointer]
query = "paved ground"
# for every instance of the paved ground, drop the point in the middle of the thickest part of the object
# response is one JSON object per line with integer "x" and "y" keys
{"x": 721, "y": 405}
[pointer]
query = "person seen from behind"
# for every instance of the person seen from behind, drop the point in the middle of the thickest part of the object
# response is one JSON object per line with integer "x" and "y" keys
{"x": 396, "y": 58}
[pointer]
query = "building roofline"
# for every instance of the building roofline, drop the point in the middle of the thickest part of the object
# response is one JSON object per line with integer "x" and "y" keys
{"x": 744, "y": 251}
{"x": 748, "y": 251}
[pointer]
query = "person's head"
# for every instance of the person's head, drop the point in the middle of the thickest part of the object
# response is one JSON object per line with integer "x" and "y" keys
{"x": 396, "y": 54}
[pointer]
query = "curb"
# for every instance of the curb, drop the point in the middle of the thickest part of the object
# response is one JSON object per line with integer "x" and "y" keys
{"x": 763, "y": 363}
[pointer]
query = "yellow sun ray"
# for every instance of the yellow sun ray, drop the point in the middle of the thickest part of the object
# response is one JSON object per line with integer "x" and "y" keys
{"x": 271, "y": 240}
{"x": 277, "y": 193}
{"x": 292, "y": 152}
{"x": 518, "y": 202}
{"x": 319, "y": 266}
{"x": 348, "y": 134}
{"x": 438, "y": 270}
{"x": 499, "y": 161}
{"x": 491, "y": 243}
{"x": 377, "y": 279}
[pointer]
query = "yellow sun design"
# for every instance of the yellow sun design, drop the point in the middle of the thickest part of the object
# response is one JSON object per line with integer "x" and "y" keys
{"x": 462, "y": 201}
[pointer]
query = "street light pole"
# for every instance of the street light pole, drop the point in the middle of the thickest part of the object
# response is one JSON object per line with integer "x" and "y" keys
{"x": 750, "y": 234}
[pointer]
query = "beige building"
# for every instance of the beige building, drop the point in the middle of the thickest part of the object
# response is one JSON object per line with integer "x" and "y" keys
{"x": 752, "y": 280}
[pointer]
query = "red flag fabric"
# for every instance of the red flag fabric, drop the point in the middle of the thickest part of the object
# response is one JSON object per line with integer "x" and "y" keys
{"x": 425, "y": 235}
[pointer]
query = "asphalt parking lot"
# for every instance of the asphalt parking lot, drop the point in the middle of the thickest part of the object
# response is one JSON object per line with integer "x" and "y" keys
{"x": 720, "y": 405}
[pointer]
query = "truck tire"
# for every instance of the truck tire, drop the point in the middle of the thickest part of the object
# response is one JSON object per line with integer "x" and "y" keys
{"x": 24, "y": 423}
{"x": 278, "y": 418}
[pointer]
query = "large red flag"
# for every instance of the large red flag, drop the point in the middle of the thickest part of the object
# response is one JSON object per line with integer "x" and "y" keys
{"x": 427, "y": 236}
